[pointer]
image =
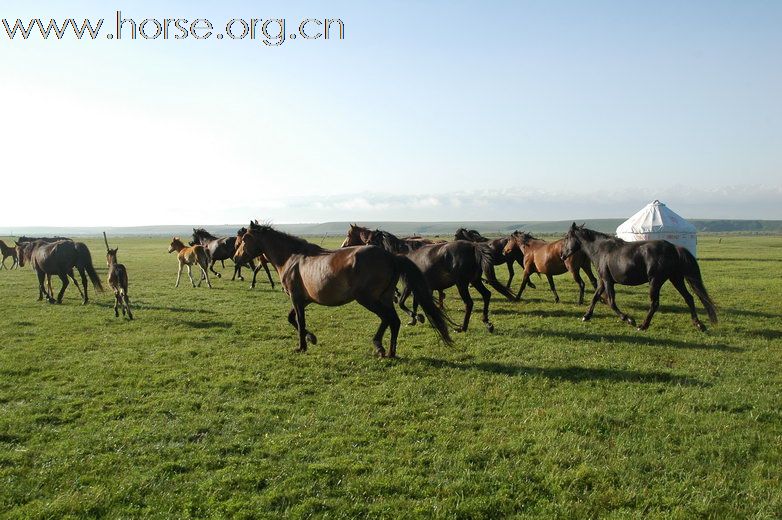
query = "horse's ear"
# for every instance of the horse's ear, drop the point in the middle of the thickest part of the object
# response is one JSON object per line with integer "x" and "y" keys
{"x": 573, "y": 226}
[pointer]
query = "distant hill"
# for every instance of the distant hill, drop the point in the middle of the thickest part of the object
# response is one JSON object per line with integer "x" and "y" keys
{"x": 402, "y": 228}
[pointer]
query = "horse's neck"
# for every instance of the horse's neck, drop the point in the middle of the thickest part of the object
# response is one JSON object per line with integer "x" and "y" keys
{"x": 590, "y": 247}
{"x": 278, "y": 249}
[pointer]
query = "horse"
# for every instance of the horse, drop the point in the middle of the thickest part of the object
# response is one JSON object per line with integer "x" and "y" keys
{"x": 263, "y": 262}
{"x": 60, "y": 258}
{"x": 499, "y": 253}
{"x": 48, "y": 240}
{"x": 545, "y": 258}
{"x": 118, "y": 281}
{"x": 187, "y": 256}
{"x": 460, "y": 263}
{"x": 7, "y": 251}
{"x": 637, "y": 263}
{"x": 366, "y": 274}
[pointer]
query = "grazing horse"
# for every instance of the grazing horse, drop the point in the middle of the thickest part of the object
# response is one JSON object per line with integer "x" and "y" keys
{"x": 460, "y": 263}
{"x": 636, "y": 263}
{"x": 187, "y": 256}
{"x": 60, "y": 258}
{"x": 546, "y": 258}
{"x": 368, "y": 275}
{"x": 7, "y": 251}
{"x": 118, "y": 281}
{"x": 263, "y": 262}
{"x": 500, "y": 255}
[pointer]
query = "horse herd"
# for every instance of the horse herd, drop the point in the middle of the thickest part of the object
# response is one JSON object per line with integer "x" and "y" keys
{"x": 371, "y": 263}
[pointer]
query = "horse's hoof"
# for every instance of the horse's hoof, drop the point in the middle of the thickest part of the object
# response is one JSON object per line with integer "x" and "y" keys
{"x": 311, "y": 338}
{"x": 219, "y": 275}
{"x": 490, "y": 327}
{"x": 701, "y": 327}
{"x": 420, "y": 318}
{"x": 641, "y": 328}
{"x": 459, "y": 329}
{"x": 241, "y": 278}
{"x": 412, "y": 322}
{"x": 586, "y": 318}
{"x": 631, "y": 321}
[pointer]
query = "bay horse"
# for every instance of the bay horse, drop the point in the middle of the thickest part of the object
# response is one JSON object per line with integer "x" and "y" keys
{"x": 546, "y": 258}
{"x": 60, "y": 258}
{"x": 7, "y": 251}
{"x": 366, "y": 274}
{"x": 263, "y": 262}
{"x": 500, "y": 255}
{"x": 187, "y": 256}
{"x": 637, "y": 263}
{"x": 460, "y": 263}
{"x": 118, "y": 281}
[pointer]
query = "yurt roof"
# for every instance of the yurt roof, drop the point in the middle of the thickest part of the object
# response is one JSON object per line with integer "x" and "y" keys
{"x": 655, "y": 217}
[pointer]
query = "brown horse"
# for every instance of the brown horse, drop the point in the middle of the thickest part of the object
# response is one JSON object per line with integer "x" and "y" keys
{"x": 118, "y": 281}
{"x": 187, "y": 256}
{"x": 359, "y": 236}
{"x": 263, "y": 262}
{"x": 545, "y": 258}
{"x": 368, "y": 275}
{"x": 498, "y": 251}
{"x": 460, "y": 263}
{"x": 60, "y": 258}
{"x": 7, "y": 251}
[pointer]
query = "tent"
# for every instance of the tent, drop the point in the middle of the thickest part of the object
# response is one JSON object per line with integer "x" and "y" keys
{"x": 656, "y": 222}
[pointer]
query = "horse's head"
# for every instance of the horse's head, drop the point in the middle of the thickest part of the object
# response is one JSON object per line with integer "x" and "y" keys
{"x": 353, "y": 237}
{"x": 111, "y": 256}
{"x": 21, "y": 252}
{"x": 175, "y": 245}
{"x": 514, "y": 242}
{"x": 247, "y": 247}
{"x": 572, "y": 241}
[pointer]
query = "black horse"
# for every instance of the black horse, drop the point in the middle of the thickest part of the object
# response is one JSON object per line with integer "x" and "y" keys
{"x": 222, "y": 249}
{"x": 460, "y": 263}
{"x": 497, "y": 247}
{"x": 60, "y": 258}
{"x": 636, "y": 263}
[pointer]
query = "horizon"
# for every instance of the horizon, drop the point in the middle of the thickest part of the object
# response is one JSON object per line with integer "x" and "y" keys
{"x": 442, "y": 111}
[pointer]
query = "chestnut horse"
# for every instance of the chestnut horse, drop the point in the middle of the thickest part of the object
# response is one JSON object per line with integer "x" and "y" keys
{"x": 637, "y": 263}
{"x": 187, "y": 256}
{"x": 7, "y": 251}
{"x": 498, "y": 251}
{"x": 545, "y": 258}
{"x": 366, "y": 274}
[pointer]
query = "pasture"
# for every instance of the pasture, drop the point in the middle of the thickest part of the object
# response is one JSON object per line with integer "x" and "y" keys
{"x": 200, "y": 408}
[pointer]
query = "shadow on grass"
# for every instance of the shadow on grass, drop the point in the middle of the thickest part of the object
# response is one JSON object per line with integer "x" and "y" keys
{"x": 138, "y": 306}
{"x": 682, "y": 309}
{"x": 207, "y": 324}
{"x": 642, "y": 338}
{"x": 573, "y": 373}
{"x": 719, "y": 259}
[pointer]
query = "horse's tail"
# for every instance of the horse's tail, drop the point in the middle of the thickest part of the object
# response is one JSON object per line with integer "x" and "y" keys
{"x": 692, "y": 273}
{"x": 85, "y": 259}
{"x": 485, "y": 258}
{"x": 414, "y": 278}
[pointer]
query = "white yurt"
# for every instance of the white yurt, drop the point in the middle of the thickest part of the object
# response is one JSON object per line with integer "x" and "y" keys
{"x": 657, "y": 222}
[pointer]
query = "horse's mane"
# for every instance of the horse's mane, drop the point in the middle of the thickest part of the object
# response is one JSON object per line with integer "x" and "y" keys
{"x": 201, "y": 232}
{"x": 471, "y": 234}
{"x": 591, "y": 234}
{"x": 298, "y": 244}
{"x": 524, "y": 236}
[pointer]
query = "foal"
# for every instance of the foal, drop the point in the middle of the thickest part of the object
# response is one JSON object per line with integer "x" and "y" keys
{"x": 189, "y": 256}
{"x": 118, "y": 281}
{"x": 7, "y": 251}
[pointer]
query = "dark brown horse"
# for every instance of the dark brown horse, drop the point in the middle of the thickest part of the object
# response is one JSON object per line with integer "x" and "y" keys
{"x": 368, "y": 275}
{"x": 460, "y": 263}
{"x": 118, "y": 281}
{"x": 60, "y": 259}
{"x": 498, "y": 250}
{"x": 636, "y": 263}
{"x": 546, "y": 258}
{"x": 7, "y": 251}
{"x": 263, "y": 262}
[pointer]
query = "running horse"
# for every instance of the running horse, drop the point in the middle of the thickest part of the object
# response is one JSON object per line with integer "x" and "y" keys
{"x": 118, "y": 281}
{"x": 460, "y": 263}
{"x": 500, "y": 255}
{"x": 7, "y": 251}
{"x": 366, "y": 274}
{"x": 263, "y": 262}
{"x": 636, "y": 263}
{"x": 545, "y": 258}
{"x": 189, "y": 256}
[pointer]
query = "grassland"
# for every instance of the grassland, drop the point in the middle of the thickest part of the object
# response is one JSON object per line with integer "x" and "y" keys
{"x": 199, "y": 407}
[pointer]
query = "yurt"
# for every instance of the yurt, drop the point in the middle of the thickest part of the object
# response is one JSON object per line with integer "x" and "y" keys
{"x": 657, "y": 222}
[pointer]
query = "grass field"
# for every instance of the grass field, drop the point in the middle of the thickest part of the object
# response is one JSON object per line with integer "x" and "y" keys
{"x": 199, "y": 407}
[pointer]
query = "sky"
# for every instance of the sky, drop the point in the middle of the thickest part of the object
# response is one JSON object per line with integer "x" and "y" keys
{"x": 424, "y": 111}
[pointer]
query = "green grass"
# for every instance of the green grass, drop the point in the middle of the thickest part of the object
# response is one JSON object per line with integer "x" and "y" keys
{"x": 199, "y": 407}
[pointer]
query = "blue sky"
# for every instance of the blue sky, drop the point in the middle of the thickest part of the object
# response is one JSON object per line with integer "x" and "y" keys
{"x": 441, "y": 111}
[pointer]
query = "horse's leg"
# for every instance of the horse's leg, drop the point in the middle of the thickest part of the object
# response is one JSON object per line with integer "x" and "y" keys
{"x": 2, "y": 264}
{"x": 598, "y": 293}
{"x": 212, "y": 268}
{"x": 580, "y": 282}
{"x": 178, "y": 274}
{"x": 222, "y": 263}
{"x": 611, "y": 296}
{"x": 440, "y": 301}
{"x": 486, "y": 295}
{"x": 309, "y": 335}
{"x": 509, "y": 263}
{"x": 65, "y": 283}
{"x": 654, "y": 298}
{"x": 402, "y": 299}
{"x": 76, "y": 283}
{"x": 382, "y": 313}
{"x": 127, "y": 301}
{"x": 552, "y": 287}
{"x": 524, "y": 282}
{"x": 116, "y": 304}
{"x": 682, "y": 288}
{"x": 587, "y": 267}
{"x": 464, "y": 292}
{"x": 41, "y": 288}
{"x": 190, "y": 274}
{"x": 302, "y": 326}
{"x": 206, "y": 276}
